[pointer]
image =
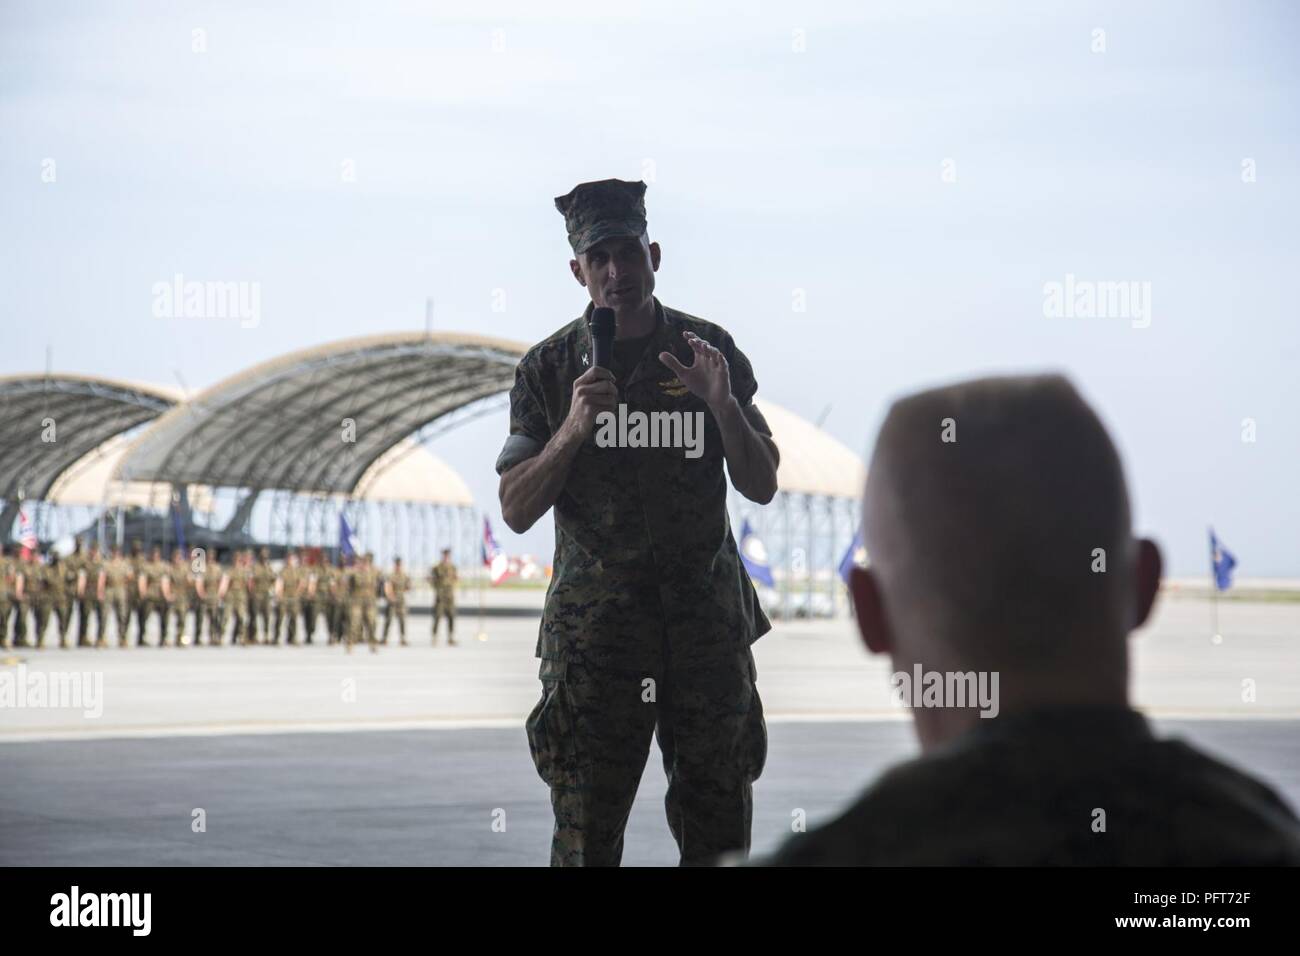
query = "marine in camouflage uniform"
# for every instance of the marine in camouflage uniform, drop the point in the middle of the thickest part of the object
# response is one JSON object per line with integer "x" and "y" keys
{"x": 210, "y": 586}
{"x": 238, "y": 586}
{"x": 26, "y": 581}
{"x": 135, "y": 600}
{"x": 650, "y": 615}
{"x": 48, "y": 598}
{"x": 180, "y": 598}
{"x": 290, "y": 587}
{"x": 117, "y": 585}
{"x": 153, "y": 602}
{"x": 362, "y": 600}
{"x": 314, "y": 591}
{"x": 1020, "y": 790}
{"x": 72, "y": 566}
{"x": 396, "y": 584}
{"x": 66, "y": 600}
{"x": 89, "y": 604}
{"x": 326, "y": 595}
{"x": 6, "y": 594}
{"x": 444, "y": 578}
{"x": 263, "y": 583}
{"x": 337, "y": 602}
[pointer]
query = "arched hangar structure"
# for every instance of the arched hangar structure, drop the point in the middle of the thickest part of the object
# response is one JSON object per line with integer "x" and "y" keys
{"x": 48, "y": 422}
{"x": 810, "y": 524}
{"x": 304, "y": 428}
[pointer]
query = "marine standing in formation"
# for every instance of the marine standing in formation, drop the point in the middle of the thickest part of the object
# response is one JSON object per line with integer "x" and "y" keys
{"x": 6, "y": 594}
{"x": 117, "y": 572}
{"x": 290, "y": 588}
{"x": 263, "y": 582}
{"x": 362, "y": 595}
{"x": 650, "y": 614}
{"x": 135, "y": 600}
{"x": 48, "y": 597}
{"x": 180, "y": 588}
{"x": 73, "y": 565}
{"x": 396, "y": 584}
{"x": 444, "y": 579}
{"x": 234, "y": 595}
{"x": 22, "y": 578}
{"x": 209, "y": 586}
{"x": 149, "y": 585}
{"x": 89, "y": 602}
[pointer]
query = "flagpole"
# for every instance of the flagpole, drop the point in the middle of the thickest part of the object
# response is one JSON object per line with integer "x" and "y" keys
{"x": 482, "y": 572}
{"x": 482, "y": 634}
{"x": 1215, "y": 636}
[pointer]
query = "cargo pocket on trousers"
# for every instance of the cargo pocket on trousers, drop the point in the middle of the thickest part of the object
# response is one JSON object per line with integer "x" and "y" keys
{"x": 550, "y": 726}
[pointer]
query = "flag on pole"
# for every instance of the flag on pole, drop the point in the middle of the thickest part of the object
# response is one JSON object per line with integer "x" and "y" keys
{"x": 26, "y": 534}
{"x": 1222, "y": 561}
{"x": 498, "y": 564}
{"x": 855, "y": 556}
{"x": 348, "y": 542}
{"x": 754, "y": 555}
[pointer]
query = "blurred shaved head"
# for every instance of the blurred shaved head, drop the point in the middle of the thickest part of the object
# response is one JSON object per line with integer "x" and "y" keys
{"x": 989, "y": 509}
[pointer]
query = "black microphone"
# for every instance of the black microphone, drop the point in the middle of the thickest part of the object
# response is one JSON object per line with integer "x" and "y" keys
{"x": 602, "y": 336}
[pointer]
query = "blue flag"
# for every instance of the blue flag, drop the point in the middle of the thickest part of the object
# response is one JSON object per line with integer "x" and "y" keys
{"x": 754, "y": 556}
{"x": 347, "y": 540}
{"x": 854, "y": 556}
{"x": 1222, "y": 561}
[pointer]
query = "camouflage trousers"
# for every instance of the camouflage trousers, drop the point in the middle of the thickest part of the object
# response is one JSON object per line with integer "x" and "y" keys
{"x": 444, "y": 607}
{"x": 310, "y": 611}
{"x": 242, "y": 630}
{"x": 215, "y": 615}
{"x": 43, "y": 610}
{"x": 395, "y": 610}
{"x": 137, "y": 611}
{"x": 287, "y": 611}
{"x": 179, "y": 613}
{"x": 260, "y": 626}
{"x": 149, "y": 608}
{"x": 20, "y": 621}
{"x": 6, "y": 612}
{"x": 87, "y": 608}
{"x": 116, "y": 605}
{"x": 64, "y": 609}
{"x": 362, "y": 618}
{"x": 590, "y": 738}
{"x": 336, "y": 620}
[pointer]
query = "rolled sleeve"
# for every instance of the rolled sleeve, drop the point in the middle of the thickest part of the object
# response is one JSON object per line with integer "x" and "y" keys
{"x": 516, "y": 449}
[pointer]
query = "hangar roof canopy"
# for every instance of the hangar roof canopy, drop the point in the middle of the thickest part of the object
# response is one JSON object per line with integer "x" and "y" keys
{"x": 317, "y": 419}
{"x": 48, "y": 422}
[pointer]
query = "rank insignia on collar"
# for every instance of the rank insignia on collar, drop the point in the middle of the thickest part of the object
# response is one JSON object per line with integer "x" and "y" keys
{"x": 674, "y": 387}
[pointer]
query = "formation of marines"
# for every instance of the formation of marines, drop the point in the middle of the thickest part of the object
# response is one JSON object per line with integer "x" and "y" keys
{"x": 232, "y": 597}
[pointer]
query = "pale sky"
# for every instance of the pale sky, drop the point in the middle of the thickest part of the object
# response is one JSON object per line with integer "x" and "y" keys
{"x": 787, "y": 146}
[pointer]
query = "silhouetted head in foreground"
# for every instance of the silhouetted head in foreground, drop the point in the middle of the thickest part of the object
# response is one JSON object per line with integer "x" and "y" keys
{"x": 991, "y": 509}
{"x": 1003, "y": 567}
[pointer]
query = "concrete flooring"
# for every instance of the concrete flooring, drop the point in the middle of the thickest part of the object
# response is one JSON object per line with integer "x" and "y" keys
{"x": 304, "y": 755}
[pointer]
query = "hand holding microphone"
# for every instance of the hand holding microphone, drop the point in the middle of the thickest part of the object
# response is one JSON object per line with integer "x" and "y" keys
{"x": 595, "y": 390}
